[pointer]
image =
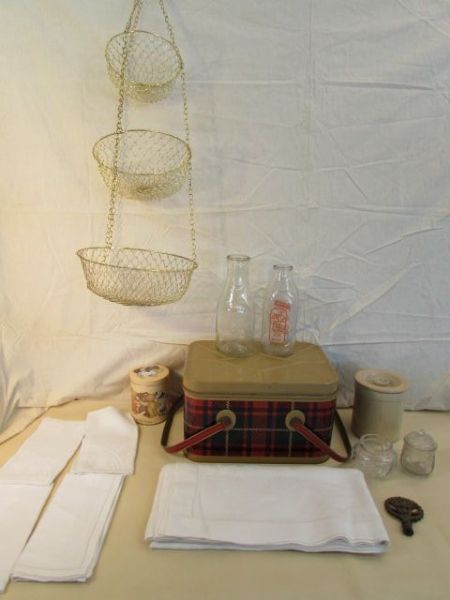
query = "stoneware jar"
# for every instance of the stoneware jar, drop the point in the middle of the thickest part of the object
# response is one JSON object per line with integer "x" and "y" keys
{"x": 379, "y": 401}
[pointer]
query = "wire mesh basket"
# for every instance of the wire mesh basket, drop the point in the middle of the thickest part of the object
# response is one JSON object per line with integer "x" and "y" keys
{"x": 134, "y": 276}
{"x": 142, "y": 164}
{"x": 151, "y": 164}
{"x": 153, "y": 64}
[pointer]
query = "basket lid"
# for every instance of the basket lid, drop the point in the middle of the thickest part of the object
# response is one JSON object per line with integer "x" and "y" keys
{"x": 305, "y": 372}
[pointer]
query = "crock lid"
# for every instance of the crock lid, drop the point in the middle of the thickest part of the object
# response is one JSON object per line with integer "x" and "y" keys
{"x": 381, "y": 380}
{"x": 305, "y": 372}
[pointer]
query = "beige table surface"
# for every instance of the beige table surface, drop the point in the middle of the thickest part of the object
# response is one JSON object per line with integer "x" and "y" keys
{"x": 412, "y": 568}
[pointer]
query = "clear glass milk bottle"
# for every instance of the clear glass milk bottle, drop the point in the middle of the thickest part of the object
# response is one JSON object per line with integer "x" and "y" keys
{"x": 280, "y": 313}
{"x": 235, "y": 310}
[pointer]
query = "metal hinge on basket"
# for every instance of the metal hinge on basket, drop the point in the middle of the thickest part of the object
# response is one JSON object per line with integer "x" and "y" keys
{"x": 145, "y": 165}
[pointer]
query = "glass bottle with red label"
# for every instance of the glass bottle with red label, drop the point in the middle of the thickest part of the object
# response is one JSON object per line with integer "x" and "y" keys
{"x": 280, "y": 312}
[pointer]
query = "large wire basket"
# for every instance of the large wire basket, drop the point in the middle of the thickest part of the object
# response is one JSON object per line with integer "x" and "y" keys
{"x": 153, "y": 64}
{"x": 151, "y": 164}
{"x": 134, "y": 276}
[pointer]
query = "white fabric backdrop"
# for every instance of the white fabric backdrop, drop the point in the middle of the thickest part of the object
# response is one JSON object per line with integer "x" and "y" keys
{"x": 320, "y": 137}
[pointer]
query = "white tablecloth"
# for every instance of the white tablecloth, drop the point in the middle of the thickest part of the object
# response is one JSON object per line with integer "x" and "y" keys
{"x": 413, "y": 568}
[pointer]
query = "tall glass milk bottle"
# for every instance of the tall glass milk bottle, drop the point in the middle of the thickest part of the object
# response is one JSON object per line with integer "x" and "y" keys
{"x": 280, "y": 313}
{"x": 235, "y": 310}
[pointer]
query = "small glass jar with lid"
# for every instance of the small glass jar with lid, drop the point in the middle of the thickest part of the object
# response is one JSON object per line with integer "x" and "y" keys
{"x": 418, "y": 452}
{"x": 374, "y": 455}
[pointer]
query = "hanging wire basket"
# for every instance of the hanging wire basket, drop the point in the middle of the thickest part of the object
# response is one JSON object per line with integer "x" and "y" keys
{"x": 141, "y": 164}
{"x": 134, "y": 276}
{"x": 153, "y": 64}
{"x": 151, "y": 164}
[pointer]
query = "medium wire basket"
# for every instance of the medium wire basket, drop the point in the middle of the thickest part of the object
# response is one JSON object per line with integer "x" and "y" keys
{"x": 151, "y": 164}
{"x": 153, "y": 64}
{"x": 134, "y": 276}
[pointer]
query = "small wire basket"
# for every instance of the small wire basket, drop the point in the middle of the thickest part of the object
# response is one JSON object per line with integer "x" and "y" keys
{"x": 153, "y": 64}
{"x": 151, "y": 164}
{"x": 134, "y": 276}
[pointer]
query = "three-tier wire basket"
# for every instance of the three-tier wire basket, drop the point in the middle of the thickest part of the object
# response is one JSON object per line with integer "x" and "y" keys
{"x": 142, "y": 164}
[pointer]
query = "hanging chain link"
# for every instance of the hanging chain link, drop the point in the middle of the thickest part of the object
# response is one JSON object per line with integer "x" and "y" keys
{"x": 131, "y": 26}
{"x": 187, "y": 131}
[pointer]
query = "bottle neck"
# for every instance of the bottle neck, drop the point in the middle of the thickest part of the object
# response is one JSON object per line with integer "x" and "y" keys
{"x": 282, "y": 274}
{"x": 237, "y": 269}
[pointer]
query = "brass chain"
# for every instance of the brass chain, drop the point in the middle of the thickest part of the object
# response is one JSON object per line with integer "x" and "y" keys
{"x": 186, "y": 130}
{"x": 130, "y": 26}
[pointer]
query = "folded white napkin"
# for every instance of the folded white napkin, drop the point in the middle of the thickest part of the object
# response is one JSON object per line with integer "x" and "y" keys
{"x": 20, "y": 506}
{"x": 67, "y": 540}
{"x": 261, "y": 507}
{"x": 44, "y": 454}
{"x": 109, "y": 445}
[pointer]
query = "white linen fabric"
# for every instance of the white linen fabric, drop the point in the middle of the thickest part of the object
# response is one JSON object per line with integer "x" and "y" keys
{"x": 320, "y": 138}
{"x": 22, "y": 417}
{"x": 109, "y": 445}
{"x": 20, "y": 506}
{"x": 44, "y": 454}
{"x": 67, "y": 540}
{"x": 246, "y": 507}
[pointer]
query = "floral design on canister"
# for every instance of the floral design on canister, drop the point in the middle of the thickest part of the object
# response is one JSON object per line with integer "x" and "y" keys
{"x": 149, "y": 403}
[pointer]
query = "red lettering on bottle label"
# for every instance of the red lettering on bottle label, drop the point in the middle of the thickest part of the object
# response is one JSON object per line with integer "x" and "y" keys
{"x": 279, "y": 320}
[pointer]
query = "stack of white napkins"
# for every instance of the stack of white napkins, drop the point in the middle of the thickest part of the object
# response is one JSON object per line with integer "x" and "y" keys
{"x": 44, "y": 454}
{"x": 247, "y": 507}
{"x": 26, "y": 481}
{"x": 110, "y": 443}
{"x": 20, "y": 506}
{"x": 66, "y": 543}
{"x": 67, "y": 540}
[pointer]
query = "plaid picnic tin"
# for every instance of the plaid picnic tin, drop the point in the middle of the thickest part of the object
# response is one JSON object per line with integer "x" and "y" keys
{"x": 259, "y": 393}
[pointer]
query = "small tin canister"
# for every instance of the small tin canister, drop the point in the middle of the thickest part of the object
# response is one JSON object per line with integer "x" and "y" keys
{"x": 149, "y": 404}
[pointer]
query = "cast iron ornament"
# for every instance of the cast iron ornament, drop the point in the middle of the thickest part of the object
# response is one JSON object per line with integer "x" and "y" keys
{"x": 407, "y": 511}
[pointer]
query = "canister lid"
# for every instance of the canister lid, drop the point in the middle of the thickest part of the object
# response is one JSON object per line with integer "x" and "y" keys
{"x": 149, "y": 374}
{"x": 381, "y": 380}
{"x": 305, "y": 372}
{"x": 421, "y": 440}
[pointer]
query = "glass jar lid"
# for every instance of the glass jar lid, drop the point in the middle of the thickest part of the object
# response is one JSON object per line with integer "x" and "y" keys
{"x": 421, "y": 440}
{"x": 375, "y": 444}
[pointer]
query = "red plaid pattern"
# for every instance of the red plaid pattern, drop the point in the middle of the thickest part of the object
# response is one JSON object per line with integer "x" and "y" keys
{"x": 260, "y": 430}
